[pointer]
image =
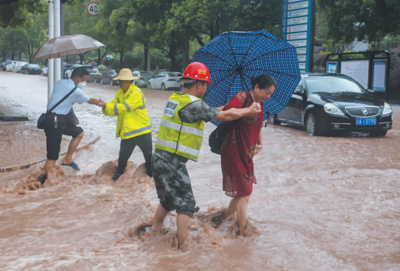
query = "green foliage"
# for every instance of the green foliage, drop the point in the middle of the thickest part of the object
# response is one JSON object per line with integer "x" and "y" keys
{"x": 371, "y": 20}
{"x": 15, "y": 13}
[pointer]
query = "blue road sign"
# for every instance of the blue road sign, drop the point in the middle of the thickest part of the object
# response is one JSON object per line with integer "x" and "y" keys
{"x": 296, "y": 29}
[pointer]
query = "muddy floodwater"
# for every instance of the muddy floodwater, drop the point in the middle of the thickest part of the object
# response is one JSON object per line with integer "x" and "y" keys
{"x": 320, "y": 203}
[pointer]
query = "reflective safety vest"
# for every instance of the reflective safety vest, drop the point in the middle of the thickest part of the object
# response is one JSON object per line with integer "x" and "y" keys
{"x": 176, "y": 136}
{"x": 130, "y": 108}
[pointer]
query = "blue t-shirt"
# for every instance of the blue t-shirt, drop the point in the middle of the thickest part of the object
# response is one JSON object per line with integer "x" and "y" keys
{"x": 62, "y": 88}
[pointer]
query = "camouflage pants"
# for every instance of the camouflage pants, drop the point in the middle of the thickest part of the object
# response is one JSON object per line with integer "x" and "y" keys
{"x": 173, "y": 183}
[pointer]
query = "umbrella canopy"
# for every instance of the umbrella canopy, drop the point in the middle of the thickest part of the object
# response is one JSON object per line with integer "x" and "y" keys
{"x": 234, "y": 57}
{"x": 66, "y": 45}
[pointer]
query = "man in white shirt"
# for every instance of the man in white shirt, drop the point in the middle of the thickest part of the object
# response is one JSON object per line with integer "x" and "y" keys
{"x": 62, "y": 124}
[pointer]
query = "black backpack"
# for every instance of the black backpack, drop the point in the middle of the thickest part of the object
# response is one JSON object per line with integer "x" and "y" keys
{"x": 218, "y": 135}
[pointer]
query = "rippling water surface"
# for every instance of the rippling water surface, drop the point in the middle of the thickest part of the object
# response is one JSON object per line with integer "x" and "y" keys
{"x": 319, "y": 204}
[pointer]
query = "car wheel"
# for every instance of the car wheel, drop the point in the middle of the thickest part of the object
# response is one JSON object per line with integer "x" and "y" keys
{"x": 312, "y": 126}
{"x": 162, "y": 87}
{"x": 273, "y": 120}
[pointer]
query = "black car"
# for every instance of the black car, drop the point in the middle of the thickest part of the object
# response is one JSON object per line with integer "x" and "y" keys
{"x": 107, "y": 77}
{"x": 326, "y": 104}
{"x": 31, "y": 69}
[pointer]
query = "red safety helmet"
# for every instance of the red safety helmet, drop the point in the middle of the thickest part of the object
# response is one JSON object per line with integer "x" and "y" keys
{"x": 197, "y": 71}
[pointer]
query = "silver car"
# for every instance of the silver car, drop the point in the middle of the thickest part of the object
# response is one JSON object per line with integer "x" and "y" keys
{"x": 165, "y": 80}
{"x": 143, "y": 77}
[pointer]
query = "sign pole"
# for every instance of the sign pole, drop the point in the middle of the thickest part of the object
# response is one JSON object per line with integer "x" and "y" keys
{"x": 50, "y": 62}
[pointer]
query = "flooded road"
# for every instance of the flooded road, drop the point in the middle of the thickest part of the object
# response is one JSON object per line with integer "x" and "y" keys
{"x": 319, "y": 203}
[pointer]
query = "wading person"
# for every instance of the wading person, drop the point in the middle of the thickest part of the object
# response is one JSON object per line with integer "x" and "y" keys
{"x": 243, "y": 141}
{"x": 133, "y": 125}
{"x": 62, "y": 123}
{"x": 179, "y": 139}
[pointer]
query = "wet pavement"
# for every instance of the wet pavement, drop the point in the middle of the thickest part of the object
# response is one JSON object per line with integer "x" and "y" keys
{"x": 320, "y": 203}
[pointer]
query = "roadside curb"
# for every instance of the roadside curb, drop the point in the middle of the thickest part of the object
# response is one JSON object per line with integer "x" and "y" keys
{"x": 24, "y": 166}
{"x": 4, "y": 117}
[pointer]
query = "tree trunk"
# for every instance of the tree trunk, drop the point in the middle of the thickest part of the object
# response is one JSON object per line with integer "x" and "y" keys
{"x": 98, "y": 57}
{"x": 146, "y": 62}
{"x": 121, "y": 56}
{"x": 172, "y": 57}
{"x": 186, "y": 58}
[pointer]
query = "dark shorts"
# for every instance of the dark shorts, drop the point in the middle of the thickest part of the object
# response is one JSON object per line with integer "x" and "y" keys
{"x": 173, "y": 183}
{"x": 54, "y": 135}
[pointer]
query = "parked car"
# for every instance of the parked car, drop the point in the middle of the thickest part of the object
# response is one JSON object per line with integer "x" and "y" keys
{"x": 165, "y": 80}
{"x": 18, "y": 66}
{"x": 69, "y": 72}
{"x": 326, "y": 103}
{"x": 144, "y": 77}
{"x": 45, "y": 71}
{"x": 10, "y": 66}
{"x": 107, "y": 76}
{"x": 31, "y": 69}
{"x": 95, "y": 75}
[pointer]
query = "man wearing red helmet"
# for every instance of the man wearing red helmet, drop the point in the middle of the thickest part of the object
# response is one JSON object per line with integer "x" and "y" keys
{"x": 179, "y": 139}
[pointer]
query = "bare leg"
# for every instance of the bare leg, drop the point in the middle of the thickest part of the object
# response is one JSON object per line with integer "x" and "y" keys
{"x": 242, "y": 213}
{"x": 159, "y": 217}
{"x": 182, "y": 222}
{"x": 231, "y": 208}
{"x": 49, "y": 165}
{"x": 73, "y": 145}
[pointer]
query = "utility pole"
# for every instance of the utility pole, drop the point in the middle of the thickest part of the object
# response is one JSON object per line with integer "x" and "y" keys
{"x": 54, "y": 65}
{"x": 50, "y": 63}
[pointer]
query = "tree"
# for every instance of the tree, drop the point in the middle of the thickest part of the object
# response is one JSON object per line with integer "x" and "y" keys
{"x": 370, "y": 20}
{"x": 143, "y": 26}
{"x": 14, "y": 42}
{"x": 14, "y": 13}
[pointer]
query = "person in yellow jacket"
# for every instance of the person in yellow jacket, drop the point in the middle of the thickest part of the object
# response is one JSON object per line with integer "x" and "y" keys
{"x": 133, "y": 125}
{"x": 179, "y": 139}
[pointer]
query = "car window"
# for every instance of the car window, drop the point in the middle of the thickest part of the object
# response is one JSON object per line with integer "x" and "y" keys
{"x": 34, "y": 65}
{"x": 147, "y": 73}
{"x": 332, "y": 84}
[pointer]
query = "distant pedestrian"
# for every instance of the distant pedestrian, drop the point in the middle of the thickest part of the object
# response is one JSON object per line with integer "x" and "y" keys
{"x": 243, "y": 141}
{"x": 133, "y": 125}
{"x": 62, "y": 123}
{"x": 179, "y": 138}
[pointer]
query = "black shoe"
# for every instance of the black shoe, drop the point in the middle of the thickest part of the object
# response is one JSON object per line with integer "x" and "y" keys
{"x": 42, "y": 178}
{"x": 116, "y": 176}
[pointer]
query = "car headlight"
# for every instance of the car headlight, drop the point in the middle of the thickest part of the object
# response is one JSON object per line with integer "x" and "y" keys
{"x": 333, "y": 110}
{"x": 387, "y": 109}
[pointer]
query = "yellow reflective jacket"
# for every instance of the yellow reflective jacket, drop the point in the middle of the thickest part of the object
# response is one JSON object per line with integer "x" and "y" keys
{"x": 176, "y": 136}
{"x": 130, "y": 108}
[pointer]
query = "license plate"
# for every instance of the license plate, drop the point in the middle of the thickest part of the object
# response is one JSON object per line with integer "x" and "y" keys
{"x": 365, "y": 121}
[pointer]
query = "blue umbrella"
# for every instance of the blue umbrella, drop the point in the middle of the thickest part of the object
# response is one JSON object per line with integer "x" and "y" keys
{"x": 109, "y": 56}
{"x": 234, "y": 57}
